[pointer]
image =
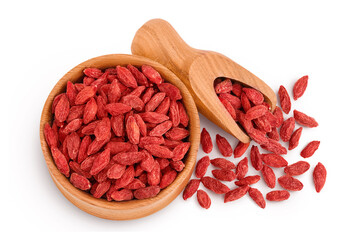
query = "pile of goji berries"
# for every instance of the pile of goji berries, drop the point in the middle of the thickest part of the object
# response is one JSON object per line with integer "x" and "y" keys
{"x": 120, "y": 133}
{"x": 248, "y": 108}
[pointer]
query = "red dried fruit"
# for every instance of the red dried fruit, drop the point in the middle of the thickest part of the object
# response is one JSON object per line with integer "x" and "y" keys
{"x": 148, "y": 94}
{"x": 242, "y": 168}
{"x": 180, "y": 151}
{"x": 148, "y": 163}
{"x": 235, "y": 101}
{"x": 300, "y": 87}
{"x": 101, "y": 189}
{"x": 290, "y": 183}
{"x": 274, "y": 134}
{"x": 240, "y": 149}
{"x": 85, "y": 95}
{"x": 153, "y": 117}
{"x": 229, "y": 108}
{"x": 93, "y": 72}
{"x": 319, "y": 176}
{"x": 305, "y": 120}
{"x": 256, "y": 158}
{"x": 155, "y": 101}
{"x": 205, "y": 141}
{"x": 257, "y": 196}
{"x": 263, "y": 124}
{"x": 177, "y": 165}
{"x": 62, "y": 109}
{"x": 295, "y": 138}
{"x": 274, "y": 160}
{"x": 214, "y": 185}
{"x": 73, "y": 145}
{"x": 236, "y": 194}
{"x": 222, "y": 163}
{"x": 116, "y": 171}
{"x": 287, "y": 129}
{"x": 255, "y": 112}
{"x": 129, "y": 158}
{"x": 248, "y": 180}
{"x": 80, "y": 182}
{"x": 125, "y": 77}
{"x": 171, "y": 91}
{"x": 174, "y": 113}
{"x": 202, "y": 166}
{"x": 223, "y": 146}
{"x": 75, "y": 112}
{"x": 88, "y": 162}
{"x": 258, "y": 136}
{"x": 118, "y": 147}
{"x": 117, "y": 125}
{"x": 132, "y": 130}
{"x": 151, "y": 140}
{"x": 310, "y": 149}
{"x": 50, "y": 136}
{"x": 146, "y": 192}
{"x": 141, "y": 124}
{"x": 159, "y": 151}
{"x": 161, "y": 129}
{"x": 191, "y": 188}
{"x": 135, "y": 184}
{"x": 139, "y": 76}
{"x": 151, "y": 74}
{"x": 224, "y": 175}
{"x": 138, "y": 91}
{"x": 122, "y": 195}
{"x": 126, "y": 178}
{"x": 277, "y": 195}
{"x": 297, "y": 168}
{"x": 100, "y": 162}
{"x": 279, "y": 116}
{"x": 274, "y": 146}
{"x": 102, "y": 129}
{"x": 60, "y": 161}
{"x": 116, "y": 109}
{"x": 164, "y": 106}
{"x": 177, "y": 133}
{"x": 167, "y": 178}
{"x": 154, "y": 176}
{"x": 184, "y": 118}
{"x": 224, "y": 86}
{"x": 285, "y": 101}
{"x": 245, "y": 103}
{"x": 133, "y": 101}
{"x": 71, "y": 92}
{"x": 254, "y": 95}
{"x": 203, "y": 199}
{"x": 268, "y": 176}
{"x": 75, "y": 167}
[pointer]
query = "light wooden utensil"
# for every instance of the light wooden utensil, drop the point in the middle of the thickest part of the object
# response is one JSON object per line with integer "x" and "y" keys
{"x": 157, "y": 40}
{"x": 134, "y": 208}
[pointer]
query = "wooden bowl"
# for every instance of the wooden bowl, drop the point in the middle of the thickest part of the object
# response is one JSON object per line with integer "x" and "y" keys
{"x": 134, "y": 208}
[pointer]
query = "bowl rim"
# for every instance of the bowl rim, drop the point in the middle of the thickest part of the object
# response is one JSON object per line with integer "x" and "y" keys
{"x": 134, "y": 208}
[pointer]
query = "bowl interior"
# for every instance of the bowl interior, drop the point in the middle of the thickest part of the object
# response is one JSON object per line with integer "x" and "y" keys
{"x": 134, "y": 208}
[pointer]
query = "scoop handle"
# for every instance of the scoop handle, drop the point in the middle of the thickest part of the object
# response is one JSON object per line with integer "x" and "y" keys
{"x": 158, "y": 40}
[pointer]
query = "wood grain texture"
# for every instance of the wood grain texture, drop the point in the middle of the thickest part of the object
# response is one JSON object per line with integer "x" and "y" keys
{"x": 157, "y": 40}
{"x": 135, "y": 208}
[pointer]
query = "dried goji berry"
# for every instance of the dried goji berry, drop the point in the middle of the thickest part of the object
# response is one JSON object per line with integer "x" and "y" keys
{"x": 50, "y": 136}
{"x": 305, "y": 120}
{"x": 242, "y": 168}
{"x": 116, "y": 109}
{"x": 236, "y": 194}
{"x": 297, "y": 168}
{"x": 223, "y": 146}
{"x": 153, "y": 117}
{"x": 255, "y": 112}
{"x": 300, "y": 87}
{"x": 159, "y": 151}
{"x": 274, "y": 134}
{"x": 85, "y": 95}
{"x": 101, "y": 189}
{"x": 268, "y": 176}
{"x": 290, "y": 183}
{"x": 205, "y": 141}
{"x": 122, "y": 195}
{"x": 230, "y": 109}
{"x": 161, "y": 129}
{"x": 222, "y": 163}
{"x": 167, "y": 178}
{"x": 295, "y": 138}
{"x": 177, "y": 133}
{"x": 310, "y": 149}
{"x": 93, "y": 72}
{"x": 202, "y": 166}
{"x": 319, "y": 176}
{"x": 224, "y": 86}
{"x": 203, "y": 199}
{"x": 151, "y": 74}
{"x": 240, "y": 149}
{"x": 171, "y": 91}
{"x": 146, "y": 192}
{"x": 184, "y": 118}
{"x": 234, "y": 101}
{"x": 80, "y": 182}
{"x": 287, "y": 129}
{"x": 285, "y": 101}
{"x": 100, "y": 162}
{"x": 274, "y": 146}
{"x": 180, "y": 151}
{"x": 245, "y": 103}
{"x": 236, "y": 89}
{"x": 191, "y": 188}
{"x": 257, "y": 196}
{"x": 129, "y": 158}
{"x": 277, "y": 195}
{"x": 254, "y": 95}
{"x": 73, "y": 145}
{"x": 126, "y": 178}
{"x": 248, "y": 180}
{"x": 214, "y": 185}
{"x": 274, "y": 160}
{"x": 139, "y": 76}
{"x": 62, "y": 109}
{"x": 256, "y": 158}
{"x": 60, "y": 161}
{"x": 116, "y": 171}
{"x": 224, "y": 174}
{"x": 155, "y": 101}
{"x": 125, "y": 77}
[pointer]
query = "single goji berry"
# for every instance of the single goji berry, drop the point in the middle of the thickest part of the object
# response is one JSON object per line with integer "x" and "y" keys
{"x": 310, "y": 149}
{"x": 274, "y": 160}
{"x": 254, "y": 95}
{"x": 222, "y": 163}
{"x": 268, "y": 176}
{"x": 248, "y": 180}
{"x": 151, "y": 74}
{"x": 223, "y": 146}
{"x": 287, "y": 129}
{"x": 295, "y": 138}
{"x": 203, "y": 199}
{"x": 205, "y": 141}
{"x": 319, "y": 176}
{"x": 240, "y": 149}
{"x": 277, "y": 195}
{"x": 214, "y": 185}
{"x": 224, "y": 174}
{"x": 256, "y": 158}
{"x": 305, "y": 120}
{"x": 257, "y": 196}
{"x": 300, "y": 87}
{"x": 191, "y": 188}
{"x": 80, "y": 181}
{"x": 285, "y": 101}
{"x": 242, "y": 168}
{"x": 290, "y": 183}
{"x": 236, "y": 194}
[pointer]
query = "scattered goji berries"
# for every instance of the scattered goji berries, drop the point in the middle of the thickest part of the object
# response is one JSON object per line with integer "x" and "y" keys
{"x": 266, "y": 128}
{"x": 121, "y": 133}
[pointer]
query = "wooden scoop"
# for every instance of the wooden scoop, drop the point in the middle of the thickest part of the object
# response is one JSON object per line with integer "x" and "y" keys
{"x": 158, "y": 40}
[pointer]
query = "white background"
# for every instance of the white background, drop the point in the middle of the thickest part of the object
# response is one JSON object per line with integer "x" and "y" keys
{"x": 279, "y": 41}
